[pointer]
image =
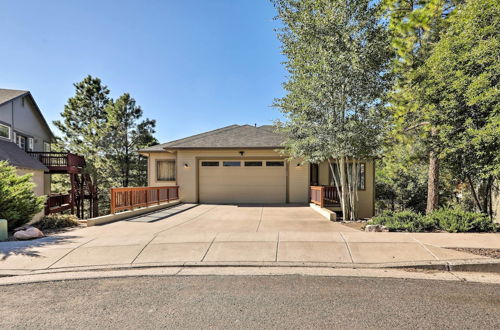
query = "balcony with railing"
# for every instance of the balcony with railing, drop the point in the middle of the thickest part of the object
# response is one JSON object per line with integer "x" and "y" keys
{"x": 324, "y": 195}
{"x": 60, "y": 162}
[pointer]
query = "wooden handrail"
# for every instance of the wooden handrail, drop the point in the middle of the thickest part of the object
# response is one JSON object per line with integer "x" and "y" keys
{"x": 58, "y": 158}
{"x": 128, "y": 198}
{"x": 321, "y": 195}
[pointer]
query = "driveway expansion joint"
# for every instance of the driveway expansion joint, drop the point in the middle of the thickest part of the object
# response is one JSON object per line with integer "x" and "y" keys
{"x": 348, "y": 248}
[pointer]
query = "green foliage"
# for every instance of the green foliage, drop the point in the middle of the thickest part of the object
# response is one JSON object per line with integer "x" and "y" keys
{"x": 405, "y": 221}
{"x": 459, "y": 221}
{"x": 459, "y": 85}
{"x": 55, "y": 221}
{"x": 450, "y": 220}
{"x": 337, "y": 56}
{"x": 401, "y": 179}
{"x": 125, "y": 135}
{"x": 108, "y": 134}
{"x": 18, "y": 202}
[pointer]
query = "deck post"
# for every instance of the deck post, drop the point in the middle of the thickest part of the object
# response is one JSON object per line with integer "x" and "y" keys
{"x": 322, "y": 197}
{"x": 113, "y": 201}
{"x": 130, "y": 201}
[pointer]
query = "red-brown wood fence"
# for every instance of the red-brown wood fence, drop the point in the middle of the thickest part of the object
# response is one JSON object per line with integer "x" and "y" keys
{"x": 322, "y": 195}
{"x": 128, "y": 198}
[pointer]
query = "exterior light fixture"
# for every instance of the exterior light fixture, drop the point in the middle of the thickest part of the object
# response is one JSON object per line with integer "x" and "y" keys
{"x": 186, "y": 165}
{"x": 242, "y": 153}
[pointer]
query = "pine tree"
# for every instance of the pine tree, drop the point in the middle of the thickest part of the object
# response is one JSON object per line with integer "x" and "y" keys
{"x": 125, "y": 135}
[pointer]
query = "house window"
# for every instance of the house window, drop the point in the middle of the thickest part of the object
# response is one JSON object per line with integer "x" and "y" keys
{"x": 21, "y": 142}
{"x": 30, "y": 144}
{"x": 209, "y": 163}
{"x": 275, "y": 163}
{"x": 165, "y": 170}
{"x": 4, "y": 131}
{"x": 360, "y": 169}
{"x": 231, "y": 163}
{"x": 46, "y": 146}
{"x": 253, "y": 163}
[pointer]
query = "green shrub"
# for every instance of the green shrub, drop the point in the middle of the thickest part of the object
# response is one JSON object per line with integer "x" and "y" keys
{"x": 18, "y": 202}
{"x": 458, "y": 221}
{"x": 404, "y": 221}
{"x": 55, "y": 221}
{"x": 450, "y": 220}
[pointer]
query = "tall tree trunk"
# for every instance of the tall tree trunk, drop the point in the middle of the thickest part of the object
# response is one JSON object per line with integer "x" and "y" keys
{"x": 433, "y": 183}
{"x": 473, "y": 191}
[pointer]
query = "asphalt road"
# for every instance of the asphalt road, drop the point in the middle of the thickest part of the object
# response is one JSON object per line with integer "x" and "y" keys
{"x": 258, "y": 302}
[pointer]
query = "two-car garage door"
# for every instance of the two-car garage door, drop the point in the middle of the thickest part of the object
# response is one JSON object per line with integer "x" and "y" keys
{"x": 242, "y": 181}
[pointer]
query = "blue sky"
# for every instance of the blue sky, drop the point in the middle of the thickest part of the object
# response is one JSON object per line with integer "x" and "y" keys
{"x": 191, "y": 65}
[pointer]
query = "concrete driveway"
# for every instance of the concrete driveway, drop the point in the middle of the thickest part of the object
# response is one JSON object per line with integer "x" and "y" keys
{"x": 204, "y": 234}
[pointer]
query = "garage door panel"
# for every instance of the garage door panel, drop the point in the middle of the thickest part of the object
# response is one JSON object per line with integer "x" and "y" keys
{"x": 242, "y": 184}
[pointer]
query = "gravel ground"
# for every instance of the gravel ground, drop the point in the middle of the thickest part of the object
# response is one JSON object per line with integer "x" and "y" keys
{"x": 490, "y": 253}
{"x": 246, "y": 302}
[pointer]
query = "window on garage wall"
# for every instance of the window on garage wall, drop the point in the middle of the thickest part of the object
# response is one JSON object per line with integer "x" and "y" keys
{"x": 165, "y": 170}
{"x": 251, "y": 163}
{"x": 209, "y": 163}
{"x": 275, "y": 163}
{"x": 231, "y": 163}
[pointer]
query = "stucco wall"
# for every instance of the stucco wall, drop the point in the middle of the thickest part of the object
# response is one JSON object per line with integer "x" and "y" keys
{"x": 38, "y": 179}
{"x": 298, "y": 172}
{"x": 187, "y": 177}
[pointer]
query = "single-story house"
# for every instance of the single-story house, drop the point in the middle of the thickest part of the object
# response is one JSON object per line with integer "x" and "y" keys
{"x": 244, "y": 164}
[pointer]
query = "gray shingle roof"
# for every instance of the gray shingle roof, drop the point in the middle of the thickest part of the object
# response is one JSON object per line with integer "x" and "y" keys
{"x": 234, "y": 136}
{"x": 17, "y": 157}
{"x": 9, "y": 94}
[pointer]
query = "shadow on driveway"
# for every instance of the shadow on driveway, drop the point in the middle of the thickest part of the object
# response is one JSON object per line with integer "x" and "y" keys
{"x": 28, "y": 248}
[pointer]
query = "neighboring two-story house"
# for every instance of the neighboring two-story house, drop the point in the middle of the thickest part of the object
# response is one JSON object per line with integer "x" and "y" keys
{"x": 23, "y": 129}
{"x": 25, "y": 142}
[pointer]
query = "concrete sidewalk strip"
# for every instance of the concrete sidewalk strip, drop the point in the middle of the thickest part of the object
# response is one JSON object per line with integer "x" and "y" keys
{"x": 247, "y": 237}
{"x": 118, "y": 240}
{"x": 388, "y": 252}
{"x": 313, "y": 252}
{"x": 178, "y": 252}
{"x": 447, "y": 254}
{"x": 182, "y": 237}
{"x": 100, "y": 255}
{"x": 360, "y": 237}
{"x": 466, "y": 240}
{"x": 242, "y": 251}
{"x": 302, "y": 226}
{"x": 295, "y": 236}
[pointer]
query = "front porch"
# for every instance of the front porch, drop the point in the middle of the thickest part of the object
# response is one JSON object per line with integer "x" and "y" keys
{"x": 323, "y": 193}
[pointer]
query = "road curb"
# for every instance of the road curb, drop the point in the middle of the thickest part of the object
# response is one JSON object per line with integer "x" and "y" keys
{"x": 466, "y": 265}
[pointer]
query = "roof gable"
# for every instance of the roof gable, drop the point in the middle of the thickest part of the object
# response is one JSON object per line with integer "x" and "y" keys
{"x": 7, "y": 95}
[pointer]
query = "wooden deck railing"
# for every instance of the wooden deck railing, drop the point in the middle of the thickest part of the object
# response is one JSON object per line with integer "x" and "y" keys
{"x": 128, "y": 198}
{"x": 58, "y": 159}
{"x": 323, "y": 195}
{"x": 58, "y": 203}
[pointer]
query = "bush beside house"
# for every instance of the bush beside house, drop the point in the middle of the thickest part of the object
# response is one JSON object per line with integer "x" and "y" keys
{"x": 56, "y": 221}
{"x": 18, "y": 202}
{"x": 450, "y": 220}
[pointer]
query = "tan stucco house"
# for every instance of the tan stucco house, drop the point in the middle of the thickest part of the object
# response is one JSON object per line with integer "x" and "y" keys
{"x": 244, "y": 164}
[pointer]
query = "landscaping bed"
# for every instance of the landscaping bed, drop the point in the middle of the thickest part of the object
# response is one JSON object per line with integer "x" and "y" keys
{"x": 445, "y": 220}
{"x": 490, "y": 253}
